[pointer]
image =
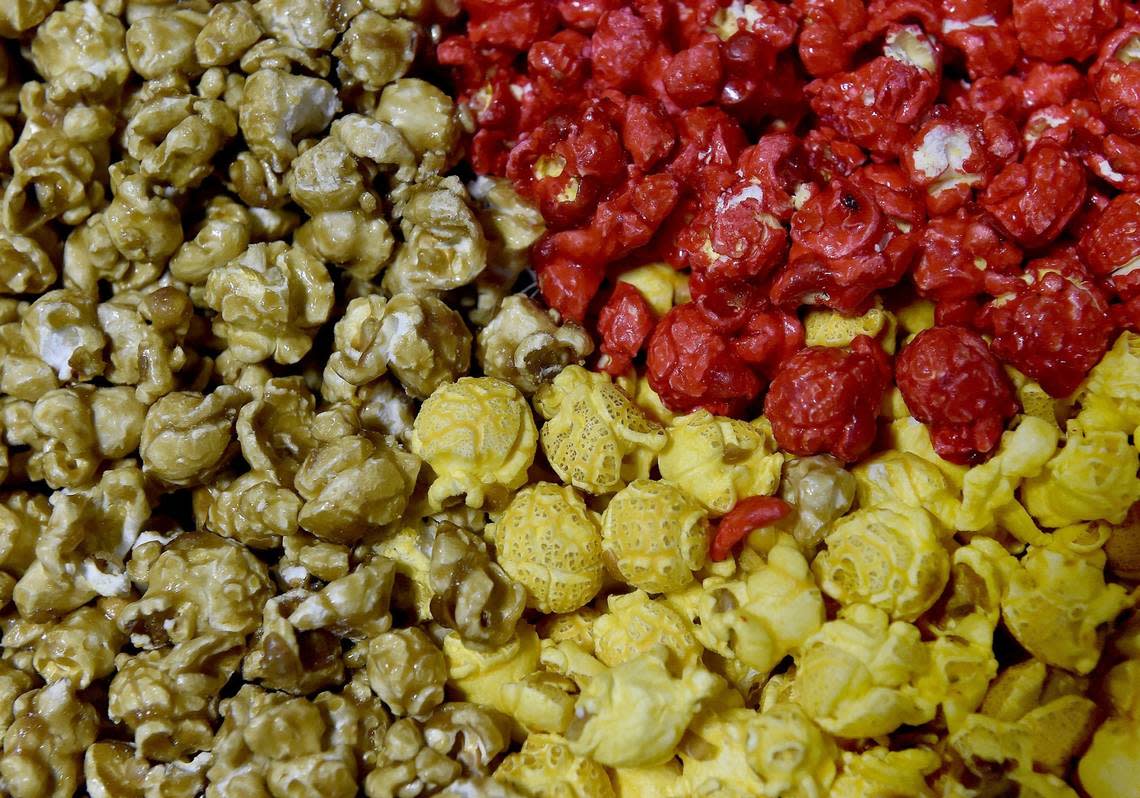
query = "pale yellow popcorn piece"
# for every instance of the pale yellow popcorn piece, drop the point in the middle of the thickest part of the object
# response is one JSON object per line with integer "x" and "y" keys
{"x": 188, "y": 437}
{"x": 201, "y": 583}
{"x": 168, "y": 698}
{"x": 479, "y": 437}
{"x": 881, "y": 772}
{"x": 81, "y": 53}
{"x": 62, "y": 330}
{"x": 903, "y": 477}
{"x": 1093, "y": 476}
{"x": 654, "y": 535}
{"x": 142, "y": 226}
{"x": 888, "y": 556}
{"x": 861, "y": 674}
{"x": 962, "y": 665}
{"x": 546, "y": 766}
{"x": 275, "y": 428}
{"x": 279, "y": 109}
{"x": 376, "y": 50}
{"x": 757, "y": 618}
{"x": 270, "y": 302}
{"x": 43, "y": 746}
{"x": 988, "y": 490}
{"x": 576, "y": 627}
{"x": 423, "y": 341}
{"x": 353, "y": 485}
{"x": 831, "y": 328}
{"x": 661, "y": 781}
{"x": 444, "y": 246}
{"x": 548, "y": 540}
{"x": 912, "y": 436}
{"x": 410, "y": 549}
{"x": 541, "y": 702}
{"x": 659, "y": 283}
{"x": 423, "y": 114}
{"x": 634, "y": 715}
{"x": 634, "y": 623}
{"x": 1108, "y": 768}
{"x": 719, "y": 461}
{"x": 1110, "y": 397}
{"x": 595, "y": 437}
{"x": 1057, "y": 603}
{"x": 524, "y": 345}
{"x": 479, "y": 675}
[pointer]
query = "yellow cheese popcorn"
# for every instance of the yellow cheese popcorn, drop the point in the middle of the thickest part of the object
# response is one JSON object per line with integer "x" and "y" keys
{"x": 894, "y": 477}
{"x": 1092, "y": 477}
{"x": 916, "y": 316}
{"x": 660, "y": 284}
{"x": 595, "y": 437}
{"x": 1057, "y": 603}
{"x": 988, "y": 489}
{"x": 741, "y": 752}
{"x": 1036, "y": 402}
{"x": 720, "y": 461}
{"x": 654, "y": 535}
{"x": 990, "y": 747}
{"x": 911, "y": 435}
{"x": 477, "y": 675}
{"x": 548, "y": 540}
{"x": 757, "y": 619}
{"x": 633, "y": 715}
{"x": 832, "y": 328}
{"x": 478, "y": 435}
{"x": 889, "y": 556}
{"x": 545, "y": 767}
{"x": 1108, "y": 768}
{"x": 962, "y": 664}
{"x": 861, "y": 675}
{"x": 659, "y": 781}
{"x": 1110, "y": 399}
{"x": 635, "y": 624}
{"x": 879, "y": 773}
{"x": 540, "y": 702}
{"x": 577, "y": 627}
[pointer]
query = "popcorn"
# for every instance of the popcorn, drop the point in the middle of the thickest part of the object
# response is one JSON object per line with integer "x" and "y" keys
{"x": 719, "y": 461}
{"x": 906, "y": 478}
{"x": 546, "y": 765}
{"x": 654, "y": 535}
{"x": 1110, "y": 398}
{"x": 548, "y": 540}
{"x": 880, "y": 771}
{"x": 595, "y": 438}
{"x": 634, "y": 624}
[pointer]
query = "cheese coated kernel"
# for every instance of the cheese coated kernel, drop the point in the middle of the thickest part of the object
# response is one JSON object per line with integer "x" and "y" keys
{"x": 634, "y": 623}
{"x": 479, "y": 437}
{"x": 719, "y": 461}
{"x": 889, "y": 556}
{"x": 545, "y": 765}
{"x": 1110, "y": 398}
{"x": 548, "y": 540}
{"x": 595, "y": 437}
{"x": 654, "y": 535}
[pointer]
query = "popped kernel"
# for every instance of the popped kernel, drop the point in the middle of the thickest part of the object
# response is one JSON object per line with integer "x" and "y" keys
{"x": 654, "y": 536}
{"x": 545, "y": 765}
{"x": 880, "y": 771}
{"x": 889, "y": 556}
{"x": 541, "y": 702}
{"x": 279, "y": 109}
{"x": 524, "y": 345}
{"x": 163, "y": 43}
{"x": 25, "y": 266}
{"x": 62, "y": 330}
{"x": 479, "y": 437}
{"x": 595, "y": 437}
{"x": 906, "y": 478}
{"x": 142, "y": 226}
{"x": 548, "y": 540}
{"x": 831, "y": 328}
{"x": 1106, "y": 768}
{"x": 719, "y": 461}
{"x": 80, "y": 51}
{"x": 376, "y": 50}
{"x": 275, "y": 429}
{"x": 188, "y": 437}
{"x": 282, "y": 657}
{"x": 353, "y": 606}
{"x": 1110, "y": 398}
{"x": 819, "y": 490}
{"x": 44, "y": 744}
{"x": 861, "y": 674}
{"x": 407, "y": 671}
{"x": 479, "y": 674}
{"x": 634, "y": 623}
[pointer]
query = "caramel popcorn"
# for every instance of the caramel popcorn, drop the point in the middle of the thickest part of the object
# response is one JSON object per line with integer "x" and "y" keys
{"x": 62, "y": 330}
{"x": 282, "y": 657}
{"x": 43, "y": 746}
{"x": 819, "y": 490}
{"x": 523, "y": 345}
{"x": 279, "y": 109}
{"x": 25, "y": 267}
{"x": 81, "y": 53}
{"x": 550, "y": 542}
{"x": 595, "y": 437}
{"x": 188, "y": 437}
{"x": 407, "y": 671}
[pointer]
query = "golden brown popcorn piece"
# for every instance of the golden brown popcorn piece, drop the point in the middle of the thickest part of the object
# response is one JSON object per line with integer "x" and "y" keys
{"x": 424, "y": 115}
{"x": 357, "y": 242}
{"x": 21, "y": 15}
{"x": 79, "y": 429}
{"x": 222, "y": 236}
{"x": 169, "y": 698}
{"x": 24, "y": 378}
{"x": 407, "y": 671}
{"x": 162, "y": 43}
{"x": 891, "y": 557}
{"x": 43, "y": 747}
{"x": 276, "y": 428}
{"x": 386, "y": 408}
{"x": 14, "y": 682}
{"x": 201, "y": 583}
{"x": 353, "y": 606}
{"x": 523, "y": 344}
{"x": 354, "y": 485}
{"x": 22, "y": 518}
{"x": 595, "y": 437}
{"x": 25, "y": 266}
{"x": 551, "y": 542}
{"x": 281, "y": 657}
{"x": 471, "y": 593}
{"x": 443, "y": 247}
{"x": 142, "y": 226}
{"x": 188, "y": 436}
{"x": 376, "y": 50}
{"x": 478, "y": 436}
{"x": 80, "y": 648}
{"x": 511, "y": 225}
{"x": 820, "y": 490}
{"x": 143, "y": 355}
{"x": 90, "y": 258}
{"x": 424, "y": 342}
{"x": 252, "y": 509}
{"x": 406, "y": 766}
{"x": 81, "y": 53}
{"x": 230, "y": 29}
{"x": 279, "y": 109}
{"x": 654, "y": 535}
{"x": 270, "y": 302}
{"x": 61, "y": 329}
